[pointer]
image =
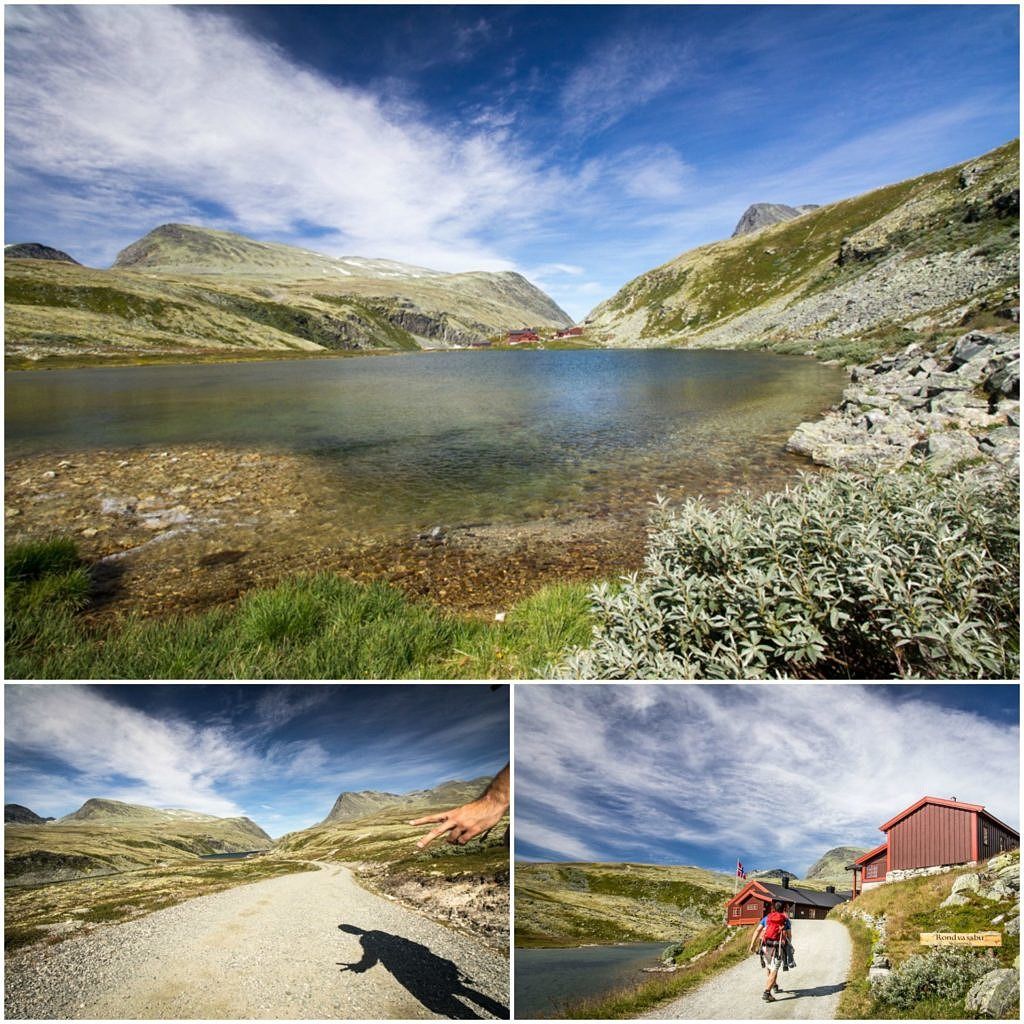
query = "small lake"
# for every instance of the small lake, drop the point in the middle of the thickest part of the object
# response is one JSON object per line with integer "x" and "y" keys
{"x": 405, "y": 442}
{"x": 546, "y": 978}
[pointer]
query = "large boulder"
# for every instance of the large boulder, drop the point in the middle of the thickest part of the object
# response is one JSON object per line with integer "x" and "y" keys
{"x": 994, "y": 993}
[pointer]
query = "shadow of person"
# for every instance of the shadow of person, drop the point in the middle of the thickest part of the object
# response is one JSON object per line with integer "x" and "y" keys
{"x": 820, "y": 990}
{"x": 435, "y": 982}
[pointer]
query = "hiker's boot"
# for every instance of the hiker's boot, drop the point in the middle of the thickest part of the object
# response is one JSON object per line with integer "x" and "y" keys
{"x": 768, "y": 997}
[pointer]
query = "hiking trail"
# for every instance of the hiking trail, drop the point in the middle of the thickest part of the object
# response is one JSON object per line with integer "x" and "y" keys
{"x": 305, "y": 946}
{"x": 811, "y": 991}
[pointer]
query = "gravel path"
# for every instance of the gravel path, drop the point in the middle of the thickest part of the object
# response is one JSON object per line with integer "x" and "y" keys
{"x": 305, "y": 946}
{"x": 811, "y": 992}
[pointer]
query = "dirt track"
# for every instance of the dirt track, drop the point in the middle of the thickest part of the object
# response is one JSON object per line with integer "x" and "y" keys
{"x": 811, "y": 992}
{"x": 305, "y": 946}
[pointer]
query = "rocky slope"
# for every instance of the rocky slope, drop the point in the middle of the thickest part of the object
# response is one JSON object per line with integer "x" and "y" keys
{"x": 18, "y": 815}
{"x": 761, "y": 215}
{"x": 852, "y": 280}
{"x": 352, "y": 806}
{"x": 567, "y": 904}
{"x": 184, "y": 290}
{"x": 106, "y": 835}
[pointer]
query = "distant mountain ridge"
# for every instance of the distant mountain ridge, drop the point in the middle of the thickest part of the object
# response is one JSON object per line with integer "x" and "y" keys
{"x": 351, "y": 806}
{"x": 183, "y": 289}
{"x": 17, "y": 814}
{"x": 105, "y": 836}
{"x": 831, "y": 866}
{"x": 37, "y": 251}
{"x": 761, "y": 215}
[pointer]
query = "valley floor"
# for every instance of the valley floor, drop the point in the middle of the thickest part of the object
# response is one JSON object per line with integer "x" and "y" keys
{"x": 307, "y": 946}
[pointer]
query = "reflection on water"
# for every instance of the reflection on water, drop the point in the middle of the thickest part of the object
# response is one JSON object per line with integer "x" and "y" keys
{"x": 413, "y": 440}
{"x": 547, "y": 979}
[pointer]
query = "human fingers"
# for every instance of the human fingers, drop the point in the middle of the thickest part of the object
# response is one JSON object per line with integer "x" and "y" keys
{"x": 429, "y": 818}
{"x": 445, "y": 826}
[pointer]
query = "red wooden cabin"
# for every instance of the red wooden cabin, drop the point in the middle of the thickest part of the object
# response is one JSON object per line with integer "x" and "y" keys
{"x": 934, "y": 833}
{"x": 755, "y": 899}
{"x": 570, "y": 332}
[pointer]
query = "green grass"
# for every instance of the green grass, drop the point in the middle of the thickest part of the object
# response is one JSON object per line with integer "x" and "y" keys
{"x": 856, "y": 1001}
{"x": 658, "y": 989}
{"x": 312, "y": 627}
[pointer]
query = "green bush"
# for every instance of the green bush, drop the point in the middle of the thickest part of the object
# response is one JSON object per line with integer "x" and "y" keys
{"x": 944, "y": 973}
{"x": 842, "y": 576}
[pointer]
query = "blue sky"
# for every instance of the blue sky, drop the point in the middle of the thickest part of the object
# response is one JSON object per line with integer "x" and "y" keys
{"x": 579, "y": 145}
{"x": 279, "y": 754}
{"x": 771, "y": 775}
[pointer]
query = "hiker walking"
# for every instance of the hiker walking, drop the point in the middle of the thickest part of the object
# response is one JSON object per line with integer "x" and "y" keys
{"x": 772, "y": 938}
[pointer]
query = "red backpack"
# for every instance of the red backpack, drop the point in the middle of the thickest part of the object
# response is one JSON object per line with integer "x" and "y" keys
{"x": 774, "y": 926}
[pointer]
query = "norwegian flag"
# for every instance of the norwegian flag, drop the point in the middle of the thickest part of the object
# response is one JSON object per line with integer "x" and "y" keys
{"x": 740, "y": 873}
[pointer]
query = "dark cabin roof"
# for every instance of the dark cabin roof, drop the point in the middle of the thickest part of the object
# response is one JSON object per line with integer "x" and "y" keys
{"x": 807, "y": 897}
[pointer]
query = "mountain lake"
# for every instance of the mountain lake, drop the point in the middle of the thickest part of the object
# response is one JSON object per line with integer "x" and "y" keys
{"x": 533, "y": 465}
{"x": 546, "y": 979}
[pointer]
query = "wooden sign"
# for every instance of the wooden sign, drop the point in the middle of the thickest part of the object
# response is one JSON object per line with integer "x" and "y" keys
{"x": 961, "y": 938}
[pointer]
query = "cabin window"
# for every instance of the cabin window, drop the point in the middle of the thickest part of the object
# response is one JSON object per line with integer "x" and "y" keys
{"x": 1002, "y": 843}
{"x": 984, "y": 835}
{"x": 735, "y": 911}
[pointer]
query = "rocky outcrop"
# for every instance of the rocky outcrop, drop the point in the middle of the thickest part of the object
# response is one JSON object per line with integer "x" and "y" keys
{"x": 761, "y": 215}
{"x": 943, "y": 409}
{"x": 994, "y": 994}
{"x": 37, "y": 251}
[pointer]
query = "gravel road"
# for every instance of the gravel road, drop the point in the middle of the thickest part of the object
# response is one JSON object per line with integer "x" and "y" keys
{"x": 811, "y": 992}
{"x": 305, "y": 946}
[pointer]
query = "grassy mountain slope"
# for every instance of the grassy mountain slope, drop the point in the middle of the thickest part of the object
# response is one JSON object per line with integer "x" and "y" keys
{"x": 851, "y": 279}
{"x": 185, "y": 291}
{"x": 567, "y": 904}
{"x": 106, "y": 835}
{"x": 830, "y": 867}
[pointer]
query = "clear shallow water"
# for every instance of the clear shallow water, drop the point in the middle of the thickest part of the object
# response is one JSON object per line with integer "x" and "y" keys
{"x": 413, "y": 440}
{"x": 547, "y": 978}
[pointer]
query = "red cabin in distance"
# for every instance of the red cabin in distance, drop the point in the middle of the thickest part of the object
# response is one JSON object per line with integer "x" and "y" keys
{"x": 754, "y": 900}
{"x": 517, "y": 337}
{"x": 570, "y": 332}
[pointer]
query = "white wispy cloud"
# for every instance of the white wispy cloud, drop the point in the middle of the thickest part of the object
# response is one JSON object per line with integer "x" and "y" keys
{"x": 765, "y": 772}
{"x": 620, "y": 74}
{"x": 169, "y": 107}
{"x": 118, "y": 752}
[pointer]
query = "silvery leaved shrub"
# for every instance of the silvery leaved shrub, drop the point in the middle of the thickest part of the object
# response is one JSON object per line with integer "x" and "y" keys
{"x": 841, "y": 576}
{"x": 944, "y": 973}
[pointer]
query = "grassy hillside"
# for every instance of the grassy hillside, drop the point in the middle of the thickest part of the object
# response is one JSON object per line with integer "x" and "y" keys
{"x": 572, "y": 904}
{"x": 852, "y": 279}
{"x": 908, "y": 909}
{"x": 72, "y": 849}
{"x": 190, "y": 292}
{"x": 830, "y": 868}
